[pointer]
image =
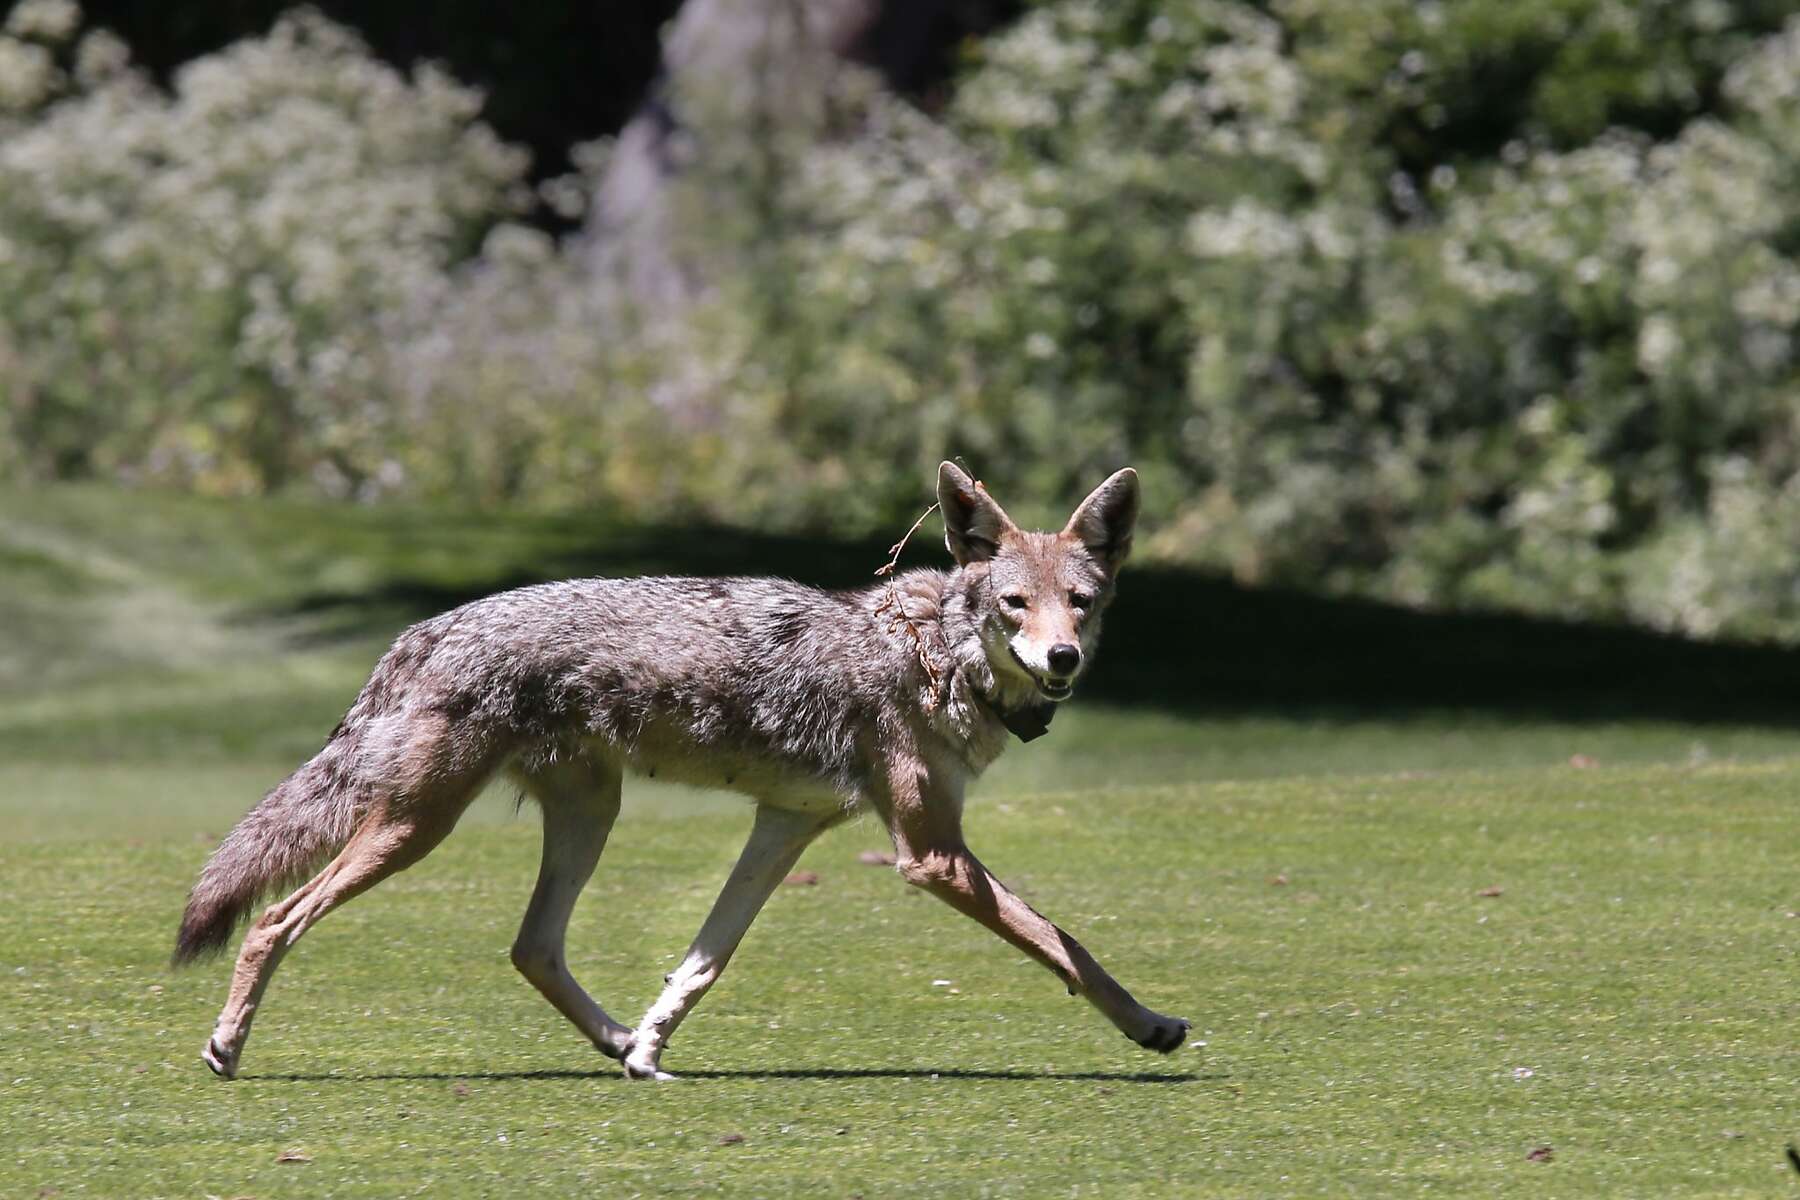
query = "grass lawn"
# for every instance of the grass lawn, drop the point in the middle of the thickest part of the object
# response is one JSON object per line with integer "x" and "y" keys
{"x": 1306, "y": 883}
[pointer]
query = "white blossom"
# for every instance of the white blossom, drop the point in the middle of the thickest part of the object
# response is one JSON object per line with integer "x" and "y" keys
{"x": 45, "y": 20}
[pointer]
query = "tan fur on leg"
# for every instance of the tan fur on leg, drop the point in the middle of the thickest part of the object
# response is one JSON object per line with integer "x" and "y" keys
{"x": 931, "y": 854}
{"x": 382, "y": 846}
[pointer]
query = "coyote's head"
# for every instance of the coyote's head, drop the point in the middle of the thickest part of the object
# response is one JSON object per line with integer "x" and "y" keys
{"x": 1036, "y": 597}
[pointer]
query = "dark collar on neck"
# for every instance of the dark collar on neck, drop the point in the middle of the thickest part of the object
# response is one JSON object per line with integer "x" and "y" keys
{"x": 1025, "y": 723}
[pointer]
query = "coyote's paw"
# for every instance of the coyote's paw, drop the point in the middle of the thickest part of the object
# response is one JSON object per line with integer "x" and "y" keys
{"x": 218, "y": 1061}
{"x": 1164, "y": 1034}
{"x": 646, "y": 1070}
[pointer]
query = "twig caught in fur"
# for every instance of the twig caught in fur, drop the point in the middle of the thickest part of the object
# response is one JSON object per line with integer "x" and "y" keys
{"x": 892, "y": 600}
{"x": 895, "y": 549}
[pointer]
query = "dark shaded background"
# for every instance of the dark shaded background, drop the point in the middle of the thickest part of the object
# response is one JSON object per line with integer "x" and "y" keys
{"x": 554, "y": 74}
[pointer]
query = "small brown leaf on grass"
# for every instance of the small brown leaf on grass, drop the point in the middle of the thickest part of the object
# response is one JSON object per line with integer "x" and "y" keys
{"x": 293, "y": 1156}
{"x": 1582, "y": 762}
{"x": 1492, "y": 891}
{"x": 875, "y": 858}
{"x": 461, "y": 1089}
{"x": 731, "y": 1139}
{"x": 1541, "y": 1154}
{"x": 1278, "y": 880}
{"x": 802, "y": 879}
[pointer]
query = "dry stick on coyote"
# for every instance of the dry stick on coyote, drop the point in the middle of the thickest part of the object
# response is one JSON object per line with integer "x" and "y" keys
{"x": 815, "y": 704}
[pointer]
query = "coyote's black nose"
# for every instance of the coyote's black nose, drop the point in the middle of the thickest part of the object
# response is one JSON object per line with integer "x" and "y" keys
{"x": 1064, "y": 658}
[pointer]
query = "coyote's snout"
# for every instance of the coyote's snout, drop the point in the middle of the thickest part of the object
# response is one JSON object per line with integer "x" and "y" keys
{"x": 815, "y": 704}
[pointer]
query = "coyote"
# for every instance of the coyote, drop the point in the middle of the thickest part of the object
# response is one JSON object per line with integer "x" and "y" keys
{"x": 815, "y": 704}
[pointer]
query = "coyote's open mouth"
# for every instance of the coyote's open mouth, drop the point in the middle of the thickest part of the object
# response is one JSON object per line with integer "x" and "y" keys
{"x": 1051, "y": 689}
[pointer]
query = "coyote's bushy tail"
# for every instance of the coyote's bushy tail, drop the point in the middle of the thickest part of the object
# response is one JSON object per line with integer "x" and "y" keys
{"x": 303, "y": 821}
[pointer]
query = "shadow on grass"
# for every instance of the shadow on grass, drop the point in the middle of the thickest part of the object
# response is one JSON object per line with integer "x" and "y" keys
{"x": 823, "y": 1073}
{"x": 1196, "y": 643}
{"x": 380, "y": 608}
{"x": 1187, "y": 641}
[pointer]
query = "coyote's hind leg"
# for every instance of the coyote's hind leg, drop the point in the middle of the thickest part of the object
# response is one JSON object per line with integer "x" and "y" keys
{"x": 386, "y": 842}
{"x": 580, "y": 799}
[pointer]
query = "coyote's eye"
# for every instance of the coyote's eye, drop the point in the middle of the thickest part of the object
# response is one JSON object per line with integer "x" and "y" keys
{"x": 1015, "y": 601}
{"x": 1080, "y": 600}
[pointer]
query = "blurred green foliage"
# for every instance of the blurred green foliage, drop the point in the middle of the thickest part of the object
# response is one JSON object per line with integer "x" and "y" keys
{"x": 1461, "y": 303}
{"x": 1553, "y": 369}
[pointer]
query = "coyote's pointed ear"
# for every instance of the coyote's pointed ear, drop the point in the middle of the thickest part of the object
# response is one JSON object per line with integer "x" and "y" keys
{"x": 1103, "y": 521}
{"x": 973, "y": 523}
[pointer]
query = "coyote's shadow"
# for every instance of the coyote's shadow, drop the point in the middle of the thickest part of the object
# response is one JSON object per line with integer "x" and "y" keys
{"x": 790, "y": 1073}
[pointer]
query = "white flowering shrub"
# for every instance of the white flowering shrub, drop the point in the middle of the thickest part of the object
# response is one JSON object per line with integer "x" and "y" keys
{"x": 192, "y": 283}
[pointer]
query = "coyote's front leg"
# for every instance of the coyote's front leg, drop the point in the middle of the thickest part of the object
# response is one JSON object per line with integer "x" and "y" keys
{"x": 932, "y": 856}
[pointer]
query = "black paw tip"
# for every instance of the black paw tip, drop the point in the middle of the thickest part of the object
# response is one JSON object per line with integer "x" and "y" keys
{"x": 1167, "y": 1039}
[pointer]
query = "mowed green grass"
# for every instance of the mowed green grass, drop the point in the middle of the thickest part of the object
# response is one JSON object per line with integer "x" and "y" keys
{"x": 1366, "y": 1021}
{"x": 1309, "y": 892}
